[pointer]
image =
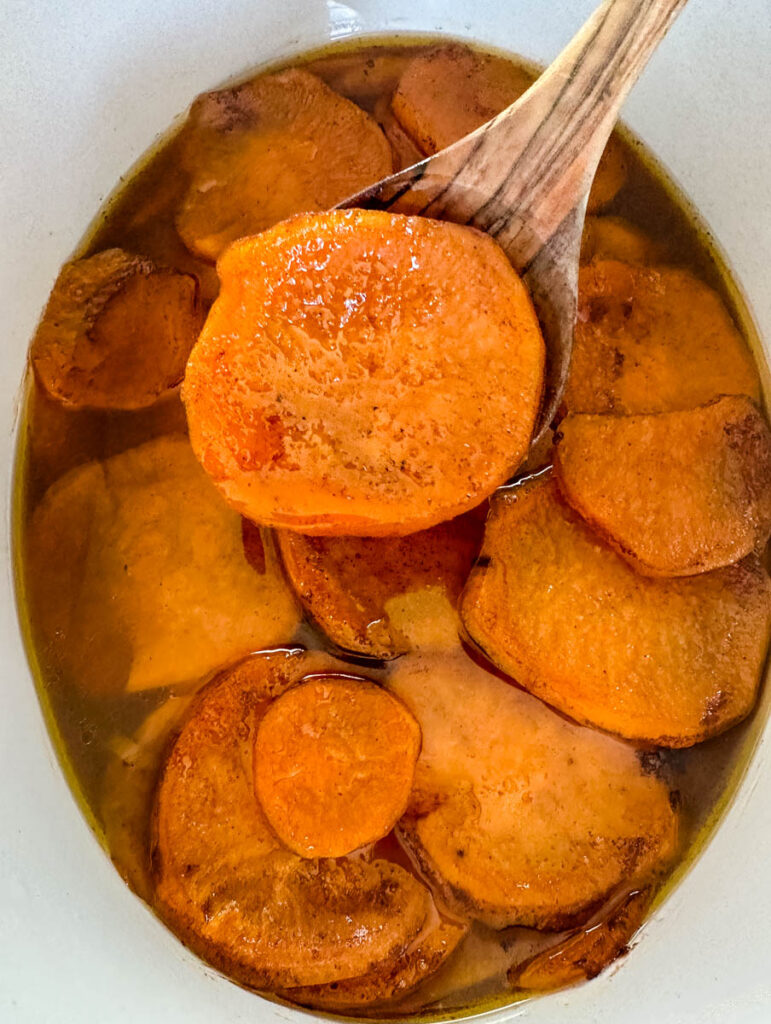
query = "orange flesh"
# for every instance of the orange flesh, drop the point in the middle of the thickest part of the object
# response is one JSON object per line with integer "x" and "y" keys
{"x": 116, "y": 332}
{"x": 350, "y": 401}
{"x": 333, "y": 765}
{"x": 674, "y": 493}
{"x": 671, "y": 662}
{"x": 639, "y": 328}
{"x": 275, "y": 146}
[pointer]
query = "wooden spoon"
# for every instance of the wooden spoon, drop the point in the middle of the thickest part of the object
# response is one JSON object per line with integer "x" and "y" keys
{"x": 524, "y": 177}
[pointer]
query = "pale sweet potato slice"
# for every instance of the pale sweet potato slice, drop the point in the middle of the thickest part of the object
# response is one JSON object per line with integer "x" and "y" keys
{"x": 333, "y": 765}
{"x": 337, "y": 387}
{"x": 275, "y": 146}
{"x": 116, "y": 332}
{"x": 267, "y": 917}
{"x": 585, "y": 954}
{"x": 669, "y": 661}
{"x": 137, "y": 575}
{"x": 452, "y": 90}
{"x": 653, "y": 339}
{"x": 349, "y": 584}
{"x": 425, "y": 958}
{"x": 674, "y": 493}
{"x": 518, "y": 816}
{"x": 616, "y": 238}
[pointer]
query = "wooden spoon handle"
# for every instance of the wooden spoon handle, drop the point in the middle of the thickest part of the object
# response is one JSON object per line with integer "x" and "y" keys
{"x": 544, "y": 150}
{"x": 518, "y": 176}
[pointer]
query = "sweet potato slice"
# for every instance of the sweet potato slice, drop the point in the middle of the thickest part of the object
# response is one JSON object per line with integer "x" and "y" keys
{"x": 333, "y": 765}
{"x": 116, "y": 332}
{"x": 410, "y": 970}
{"x": 518, "y": 816}
{"x": 337, "y": 387}
{"x": 653, "y": 339}
{"x": 670, "y": 661}
{"x": 349, "y": 584}
{"x": 450, "y": 91}
{"x": 275, "y": 146}
{"x": 138, "y": 578}
{"x": 584, "y": 955}
{"x": 242, "y": 900}
{"x": 674, "y": 493}
{"x": 615, "y": 238}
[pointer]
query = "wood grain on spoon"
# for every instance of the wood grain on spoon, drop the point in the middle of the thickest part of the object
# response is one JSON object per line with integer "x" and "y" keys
{"x": 524, "y": 176}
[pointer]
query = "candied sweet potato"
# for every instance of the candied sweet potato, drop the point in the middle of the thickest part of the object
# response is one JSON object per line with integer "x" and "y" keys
{"x": 116, "y": 332}
{"x": 333, "y": 764}
{"x": 583, "y": 955}
{"x": 653, "y": 339}
{"x": 274, "y": 146}
{"x": 520, "y": 817}
{"x": 615, "y": 238}
{"x": 674, "y": 493}
{"x": 364, "y": 373}
{"x": 349, "y": 584}
{"x": 137, "y": 574}
{"x": 452, "y": 90}
{"x": 269, "y": 918}
{"x": 422, "y": 960}
{"x": 669, "y": 661}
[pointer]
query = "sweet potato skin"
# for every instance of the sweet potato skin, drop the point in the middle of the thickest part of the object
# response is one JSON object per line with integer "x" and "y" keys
{"x": 518, "y": 816}
{"x": 334, "y": 760}
{"x": 116, "y": 332}
{"x": 584, "y": 955}
{"x": 653, "y": 339}
{"x": 272, "y": 147}
{"x": 351, "y": 402}
{"x": 347, "y": 583}
{"x": 667, "y": 661}
{"x": 267, "y": 917}
{"x": 674, "y": 493}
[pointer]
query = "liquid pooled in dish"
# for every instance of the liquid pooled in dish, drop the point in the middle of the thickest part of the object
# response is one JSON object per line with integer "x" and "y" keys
{"x": 371, "y": 732}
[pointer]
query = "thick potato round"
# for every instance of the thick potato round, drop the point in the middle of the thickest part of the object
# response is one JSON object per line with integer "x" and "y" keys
{"x": 519, "y": 817}
{"x": 333, "y": 764}
{"x": 674, "y": 493}
{"x": 668, "y": 661}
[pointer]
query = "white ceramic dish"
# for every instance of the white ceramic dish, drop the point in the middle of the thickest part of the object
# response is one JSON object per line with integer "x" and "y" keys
{"x": 85, "y": 87}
